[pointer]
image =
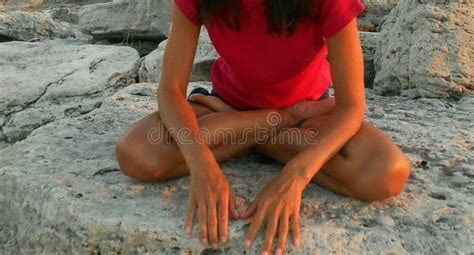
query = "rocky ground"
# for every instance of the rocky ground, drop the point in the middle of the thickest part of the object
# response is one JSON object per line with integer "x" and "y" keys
{"x": 62, "y": 190}
{"x": 68, "y": 89}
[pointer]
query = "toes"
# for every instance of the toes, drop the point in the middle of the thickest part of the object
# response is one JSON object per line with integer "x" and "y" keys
{"x": 196, "y": 97}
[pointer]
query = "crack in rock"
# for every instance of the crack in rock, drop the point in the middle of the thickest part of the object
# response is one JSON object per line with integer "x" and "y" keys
{"x": 106, "y": 170}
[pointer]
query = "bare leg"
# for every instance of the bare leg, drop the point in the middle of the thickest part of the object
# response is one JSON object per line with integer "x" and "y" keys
{"x": 355, "y": 171}
{"x": 369, "y": 167}
{"x": 144, "y": 153}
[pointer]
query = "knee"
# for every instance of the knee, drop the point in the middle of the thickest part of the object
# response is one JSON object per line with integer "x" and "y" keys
{"x": 396, "y": 176}
{"x": 132, "y": 163}
{"x": 389, "y": 180}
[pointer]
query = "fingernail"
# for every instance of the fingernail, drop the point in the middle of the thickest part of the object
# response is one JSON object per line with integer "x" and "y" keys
{"x": 204, "y": 241}
{"x": 188, "y": 231}
{"x": 297, "y": 242}
{"x": 248, "y": 243}
{"x": 214, "y": 245}
{"x": 264, "y": 253}
{"x": 279, "y": 251}
{"x": 223, "y": 239}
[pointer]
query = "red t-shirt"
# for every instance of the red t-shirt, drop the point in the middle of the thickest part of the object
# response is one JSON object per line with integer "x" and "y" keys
{"x": 256, "y": 70}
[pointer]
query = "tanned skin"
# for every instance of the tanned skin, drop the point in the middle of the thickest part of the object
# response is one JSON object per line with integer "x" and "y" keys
{"x": 351, "y": 158}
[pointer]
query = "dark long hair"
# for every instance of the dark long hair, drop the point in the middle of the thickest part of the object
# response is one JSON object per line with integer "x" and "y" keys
{"x": 283, "y": 16}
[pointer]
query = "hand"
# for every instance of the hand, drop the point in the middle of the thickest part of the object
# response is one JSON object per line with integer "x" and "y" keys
{"x": 212, "y": 196}
{"x": 276, "y": 205}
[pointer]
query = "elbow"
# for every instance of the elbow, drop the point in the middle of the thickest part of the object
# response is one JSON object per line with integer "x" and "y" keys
{"x": 165, "y": 92}
{"x": 355, "y": 112}
{"x": 161, "y": 92}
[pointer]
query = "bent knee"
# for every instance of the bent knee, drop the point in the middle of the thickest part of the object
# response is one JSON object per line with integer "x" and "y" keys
{"x": 133, "y": 164}
{"x": 389, "y": 182}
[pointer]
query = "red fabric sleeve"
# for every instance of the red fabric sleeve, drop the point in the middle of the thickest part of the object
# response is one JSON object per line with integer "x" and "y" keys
{"x": 334, "y": 15}
{"x": 190, "y": 9}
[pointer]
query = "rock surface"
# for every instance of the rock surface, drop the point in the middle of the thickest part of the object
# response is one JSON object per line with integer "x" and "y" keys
{"x": 426, "y": 50}
{"x": 43, "y": 82}
{"x": 26, "y": 25}
{"x": 35, "y": 3}
{"x": 369, "y": 42}
{"x": 206, "y": 54}
{"x": 373, "y": 17}
{"x": 132, "y": 22}
{"x": 62, "y": 191}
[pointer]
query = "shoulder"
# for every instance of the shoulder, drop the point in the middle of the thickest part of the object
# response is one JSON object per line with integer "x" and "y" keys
{"x": 334, "y": 15}
{"x": 190, "y": 9}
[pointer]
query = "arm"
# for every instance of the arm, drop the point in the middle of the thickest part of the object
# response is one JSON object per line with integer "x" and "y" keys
{"x": 210, "y": 195}
{"x": 278, "y": 204}
{"x": 347, "y": 68}
{"x": 175, "y": 111}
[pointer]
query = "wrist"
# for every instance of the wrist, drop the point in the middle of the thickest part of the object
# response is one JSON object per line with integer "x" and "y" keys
{"x": 298, "y": 175}
{"x": 200, "y": 157}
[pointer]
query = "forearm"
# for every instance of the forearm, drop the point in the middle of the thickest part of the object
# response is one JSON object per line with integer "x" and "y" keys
{"x": 239, "y": 128}
{"x": 178, "y": 117}
{"x": 342, "y": 124}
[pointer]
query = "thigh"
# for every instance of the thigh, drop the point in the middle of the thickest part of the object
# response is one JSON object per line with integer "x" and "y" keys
{"x": 139, "y": 148}
{"x": 366, "y": 155}
{"x": 370, "y": 166}
{"x": 150, "y": 132}
{"x": 368, "y": 163}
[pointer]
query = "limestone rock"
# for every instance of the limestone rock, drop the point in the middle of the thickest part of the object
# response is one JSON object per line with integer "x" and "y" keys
{"x": 24, "y": 3}
{"x": 426, "y": 50}
{"x": 369, "y": 42}
{"x": 62, "y": 191}
{"x": 37, "y": 3}
{"x": 133, "y": 22}
{"x": 373, "y": 17}
{"x": 43, "y": 82}
{"x": 67, "y": 14}
{"x": 150, "y": 69}
{"x": 61, "y": 2}
{"x": 25, "y": 25}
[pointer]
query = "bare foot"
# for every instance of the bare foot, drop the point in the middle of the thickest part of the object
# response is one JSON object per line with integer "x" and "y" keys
{"x": 300, "y": 111}
{"x": 310, "y": 108}
{"x": 212, "y": 102}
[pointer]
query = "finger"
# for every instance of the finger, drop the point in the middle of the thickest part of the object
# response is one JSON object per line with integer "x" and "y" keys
{"x": 254, "y": 227}
{"x": 250, "y": 210}
{"x": 282, "y": 235}
{"x": 232, "y": 207}
{"x": 196, "y": 97}
{"x": 189, "y": 218}
{"x": 212, "y": 223}
{"x": 295, "y": 229}
{"x": 203, "y": 224}
{"x": 272, "y": 225}
{"x": 223, "y": 217}
{"x": 247, "y": 221}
